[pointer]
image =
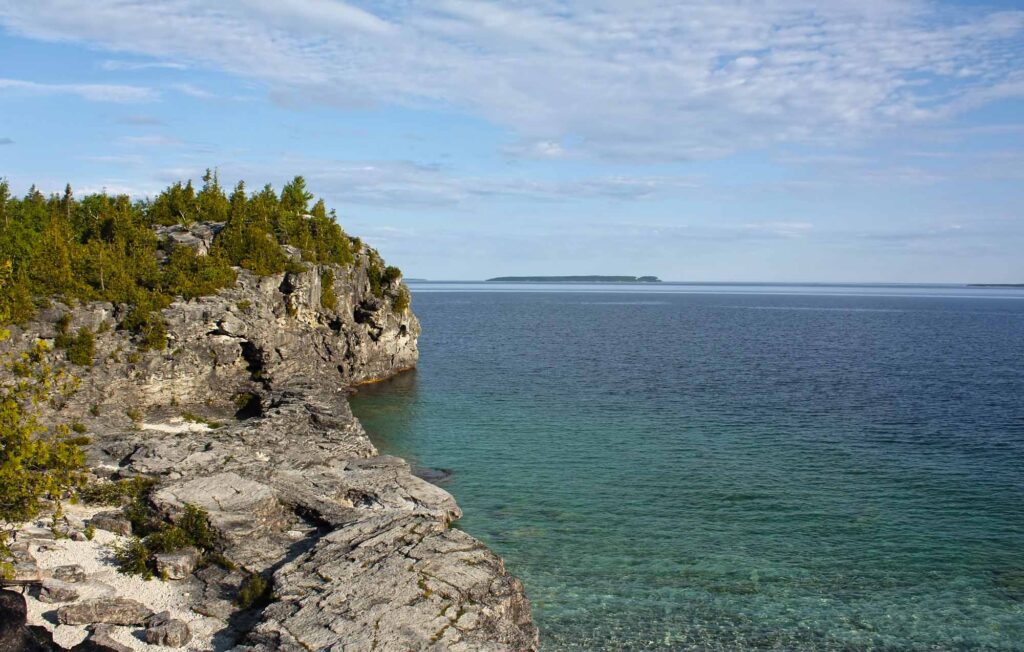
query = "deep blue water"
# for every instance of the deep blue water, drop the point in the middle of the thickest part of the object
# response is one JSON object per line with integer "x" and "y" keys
{"x": 714, "y": 467}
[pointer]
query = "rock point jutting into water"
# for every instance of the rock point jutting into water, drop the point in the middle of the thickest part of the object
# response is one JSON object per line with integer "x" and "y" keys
{"x": 245, "y": 415}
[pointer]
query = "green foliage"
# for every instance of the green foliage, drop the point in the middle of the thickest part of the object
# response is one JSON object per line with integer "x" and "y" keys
{"x": 195, "y": 523}
{"x": 90, "y": 531}
{"x": 116, "y": 492}
{"x": 402, "y": 300}
{"x": 194, "y": 418}
{"x": 105, "y": 248}
{"x": 391, "y": 274}
{"x": 36, "y": 463}
{"x": 188, "y": 275}
{"x": 193, "y": 529}
{"x": 255, "y": 591}
{"x": 328, "y": 299}
{"x": 168, "y": 539}
{"x": 133, "y": 558}
{"x": 81, "y": 349}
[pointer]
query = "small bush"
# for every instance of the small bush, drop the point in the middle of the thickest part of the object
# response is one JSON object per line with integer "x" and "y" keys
{"x": 391, "y": 274}
{"x": 168, "y": 539}
{"x": 244, "y": 304}
{"x": 328, "y": 299}
{"x": 78, "y": 427}
{"x": 402, "y": 300}
{"x": 117, "y": 492}
{"x": 255, "y": 591}
{"x": 90, "y": 531}
{"x": 82, "y": 348}
{"x": 218, "y": 559}
{"x": 195, "y": 523}
{"x": 132, "y": 557}
{"x": 194, "y": 418}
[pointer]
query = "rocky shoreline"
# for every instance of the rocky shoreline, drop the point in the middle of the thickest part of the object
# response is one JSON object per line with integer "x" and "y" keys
{"x": 246, "y": 416}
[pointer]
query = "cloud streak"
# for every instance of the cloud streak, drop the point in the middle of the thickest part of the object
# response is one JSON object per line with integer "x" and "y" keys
{"x": 115, "y": 93}
{"x": 645, "y": 80}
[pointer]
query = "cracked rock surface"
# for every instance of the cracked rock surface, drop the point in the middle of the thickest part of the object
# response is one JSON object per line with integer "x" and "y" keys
{"x": 246, "y": 415}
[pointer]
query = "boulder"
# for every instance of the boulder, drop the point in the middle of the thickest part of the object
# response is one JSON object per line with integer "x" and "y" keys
{"x": 114, "y": 611}
{"x": 57, "y": 591}
{"x": 100, "y": 635}
{"x": 72, "y": 573}
{"x": 112, "y": 521}
{"x": 177, "y": 565}
{"x": 162, "y": 629}
{"x": 26, "y": 571}
{"x": 238, "y": 507}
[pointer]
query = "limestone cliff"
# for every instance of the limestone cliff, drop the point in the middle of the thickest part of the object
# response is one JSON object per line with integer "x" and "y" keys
{"x": 359, "y": 549}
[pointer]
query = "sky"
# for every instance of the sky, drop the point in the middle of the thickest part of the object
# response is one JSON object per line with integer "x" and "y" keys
{"x": 768, "y": 140}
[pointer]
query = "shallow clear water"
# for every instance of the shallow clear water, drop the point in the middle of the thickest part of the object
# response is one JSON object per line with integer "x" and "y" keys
{"x": 669, "y": 467}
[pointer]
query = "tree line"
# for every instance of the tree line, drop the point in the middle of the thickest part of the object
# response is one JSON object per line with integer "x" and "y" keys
{"x": 104, "y": 248}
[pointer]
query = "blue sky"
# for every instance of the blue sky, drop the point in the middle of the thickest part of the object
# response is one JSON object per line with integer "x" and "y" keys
{"x": 784, "y": 140}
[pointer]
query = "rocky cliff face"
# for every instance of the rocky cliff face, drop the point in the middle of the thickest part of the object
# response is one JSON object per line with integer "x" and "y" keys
{"x": 359, "y": 549}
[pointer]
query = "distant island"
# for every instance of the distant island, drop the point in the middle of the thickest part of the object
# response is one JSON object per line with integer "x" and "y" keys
{"x": 574, "y": 279}
{"x": 995, "y": 285}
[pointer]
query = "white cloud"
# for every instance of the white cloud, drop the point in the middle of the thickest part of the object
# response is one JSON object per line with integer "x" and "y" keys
{"x": 151, "y": 140}
{"x": 194, "y": 91}
{"x": 93, "y": 92}
{"x": 133, "y": 66}
{"x": 649, "y": 79}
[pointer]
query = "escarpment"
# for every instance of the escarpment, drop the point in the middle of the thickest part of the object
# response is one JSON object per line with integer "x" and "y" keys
{"x": 245, "y": 415}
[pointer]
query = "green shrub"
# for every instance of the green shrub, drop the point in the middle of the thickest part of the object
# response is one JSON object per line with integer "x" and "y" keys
{"x": 116, "y": 492}
{"x": 167, "y": 539}
{"x": 156, "y": 536}
{"x": 36, "y": 463}
{"x": 402, "y": 300}
{"x": 328, "y": 299}
{"x": 255, "y": 591}
{"x": 133, "y": 558}
{"x": 195, "y": 523}
{"x": 82, "y": 349}
{"x": 391, "y": 274}
{"x": 194, "y": 418}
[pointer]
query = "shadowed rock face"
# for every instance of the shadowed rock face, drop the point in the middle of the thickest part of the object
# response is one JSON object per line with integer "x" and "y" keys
{"x": 359, "y": 549}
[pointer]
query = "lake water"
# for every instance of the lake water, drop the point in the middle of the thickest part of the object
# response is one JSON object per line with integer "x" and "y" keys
{"x": 720, "y": 467}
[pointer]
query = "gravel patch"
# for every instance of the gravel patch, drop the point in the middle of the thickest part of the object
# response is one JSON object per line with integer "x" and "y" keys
{"x": 104, "y": 580}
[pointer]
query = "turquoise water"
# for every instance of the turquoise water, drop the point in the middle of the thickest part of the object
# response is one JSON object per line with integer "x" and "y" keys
{"x": 725, "y": 467}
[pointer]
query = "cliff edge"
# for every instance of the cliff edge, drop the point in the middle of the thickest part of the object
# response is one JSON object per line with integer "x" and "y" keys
{"x": 245, "y": 414}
